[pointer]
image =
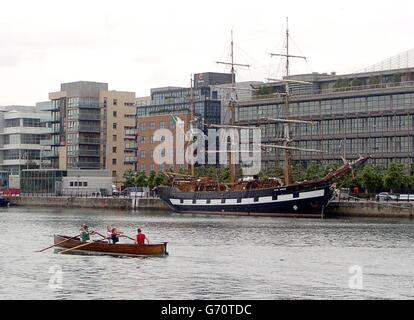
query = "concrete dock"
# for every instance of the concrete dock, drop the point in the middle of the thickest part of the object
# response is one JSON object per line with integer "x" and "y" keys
{"x": 335, "y": 209}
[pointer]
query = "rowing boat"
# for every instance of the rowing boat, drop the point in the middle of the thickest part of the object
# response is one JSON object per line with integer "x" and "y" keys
{"x": 103, "y": 247}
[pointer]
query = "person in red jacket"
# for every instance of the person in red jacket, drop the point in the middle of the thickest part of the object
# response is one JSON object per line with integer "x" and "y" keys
{"x": 141, "y": 237}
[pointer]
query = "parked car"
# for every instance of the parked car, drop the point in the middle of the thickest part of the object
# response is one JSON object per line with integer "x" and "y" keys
{"x": 406, "y": 197}
{"x": 115, "y": 191}
{"x": 133, "y": 192}
{"x": 385, "y": 196}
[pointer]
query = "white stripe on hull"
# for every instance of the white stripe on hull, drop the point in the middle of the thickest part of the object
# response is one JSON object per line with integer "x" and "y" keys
{"x": 262, "y": 200}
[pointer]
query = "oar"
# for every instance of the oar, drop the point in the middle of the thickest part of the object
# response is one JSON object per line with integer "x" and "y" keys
{"x": 128, "y": 237}
{"x": 105, "y": 237}
{"x": 80, "y": 246}
{"x": 58, "y": 243}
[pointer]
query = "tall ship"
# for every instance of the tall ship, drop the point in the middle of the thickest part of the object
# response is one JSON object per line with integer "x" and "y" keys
{"x": 252, "y": 195}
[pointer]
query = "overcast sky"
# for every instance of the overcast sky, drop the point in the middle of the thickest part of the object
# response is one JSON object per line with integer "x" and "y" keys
{"x": 137, "y": 45}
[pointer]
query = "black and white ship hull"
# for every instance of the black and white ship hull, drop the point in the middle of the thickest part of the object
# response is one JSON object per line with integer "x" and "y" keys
{"x": 296, "y": 200}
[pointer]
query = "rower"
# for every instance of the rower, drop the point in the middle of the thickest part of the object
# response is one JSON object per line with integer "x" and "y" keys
{"x": 115, "y": 235}
{"x": 85, "y": 233}
{"x": 141, "y": 237}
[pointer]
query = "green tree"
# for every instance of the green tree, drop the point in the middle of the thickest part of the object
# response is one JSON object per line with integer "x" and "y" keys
{"x": 141, "y": 179}
{"x": 314, "y": 171}
{"x": 160, "y": 179}
{"x": 372, "y": 179}
{"x": 356, "y": 82}
{"x": 373, "y": 81}
{"x": 395, "y": 180}
{"x": 129, "y": 177}
{"x": 396, "y": 78}
{"x": 224, "y": 175}
{"x": 151, "y": 179}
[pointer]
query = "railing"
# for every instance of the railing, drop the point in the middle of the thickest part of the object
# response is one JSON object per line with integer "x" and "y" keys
{"x": 87, "y": 141}
{"x": 85, "y": 153}
{"x": 46, "y": 142}
{"x": 85, "y": 128}
{"x": 405, "y": 84}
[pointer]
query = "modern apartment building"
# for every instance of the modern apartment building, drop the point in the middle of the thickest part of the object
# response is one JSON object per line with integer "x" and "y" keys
{"x": 93, "y": 128}
{"x": 119, "y": 133}
{"x": 363, "y": 113}
{"x": 21, "y": 130}
{"x": 76, "y": 137}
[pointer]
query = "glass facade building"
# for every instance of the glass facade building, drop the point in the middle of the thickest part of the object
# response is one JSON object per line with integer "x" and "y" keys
{"x": 76, "y": 122}
{"x": 178, "y": 100}
{"x": 367, "y": 114}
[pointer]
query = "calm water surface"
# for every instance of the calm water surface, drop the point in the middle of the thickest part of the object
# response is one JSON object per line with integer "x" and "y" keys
{"x": 210, "y": 257}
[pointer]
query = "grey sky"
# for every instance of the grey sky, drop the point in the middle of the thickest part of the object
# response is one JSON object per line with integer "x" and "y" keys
{"x": 137, "y": 45}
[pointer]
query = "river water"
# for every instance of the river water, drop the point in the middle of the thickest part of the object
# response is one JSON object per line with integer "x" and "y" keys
{"x": 211, "y": 257}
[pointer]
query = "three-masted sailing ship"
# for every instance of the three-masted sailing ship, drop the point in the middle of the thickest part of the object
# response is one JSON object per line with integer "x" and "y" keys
{"x": 255, "y": 196}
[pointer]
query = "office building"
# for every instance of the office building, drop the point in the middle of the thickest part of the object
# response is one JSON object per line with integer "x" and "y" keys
{"x": 21, "y": 130}
{"x": 355, "y": 114}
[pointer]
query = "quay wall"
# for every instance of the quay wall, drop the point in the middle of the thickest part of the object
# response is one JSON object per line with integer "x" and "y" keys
{"x": 93, "y": 203}
{"x": 335, "y": 209}
{"x": 370, "y": 209}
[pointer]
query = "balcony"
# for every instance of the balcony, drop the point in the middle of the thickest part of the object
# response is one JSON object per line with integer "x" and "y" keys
{"x": 50, "y": 154}
{"x": 131, "y": 146}
{"x": 130, "y": 160}
{"x": 88, "y": 116}
{"x": 84, "y": 140}
{"x": 131, "y": 132}
{"x": 87, "y": 165}
{"x": 86, "y": 128}
{"x": 45, "y": 143}
{"x": 84, "y": 153}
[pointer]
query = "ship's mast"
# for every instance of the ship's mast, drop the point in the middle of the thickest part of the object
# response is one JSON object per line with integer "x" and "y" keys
{"x": 286, "y": 125}
{"x": 232, "y": 103}
{"x": 286, "y": 113}
{"x": 192, "y": 119}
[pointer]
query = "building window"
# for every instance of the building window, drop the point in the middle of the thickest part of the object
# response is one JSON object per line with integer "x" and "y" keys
{"x": 114, "y": 161}
{"x": 85, "y": 184}
{"x": 113, "y": 149}
{"x": 114, "y": 137}
{"x": 114, "y": 125}
{"x": 142, "y": 140}
{"x": 142, "y": 126}
{"x": 162, "y": 124}
{"x": 71, "y": 183}
{"x": 114, "y": 173}
{"x": 152, "y": 125}
{"x": 152, "y": 140}
{"x": 142, "y": 154}
{"x": 115, "y": 114}
{"x": 115, "y": 102}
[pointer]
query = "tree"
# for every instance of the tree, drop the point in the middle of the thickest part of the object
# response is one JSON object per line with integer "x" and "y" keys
{"x": 224, "y": 175}
{"x": 373, "y": 81}
{"x": 372, "y": 179}
{"x": 160, "y": 179}
{"x": 395, "y": 180}
{"x": 151, "y": 179}
{"x": 341, "y": 84}
{"x": 141, "y": 179}
{"x": 313, "y": 171}
{"x": 356, "y": 83}
{"x": 297, "y": 172}
{"x": 129, "y": 177}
